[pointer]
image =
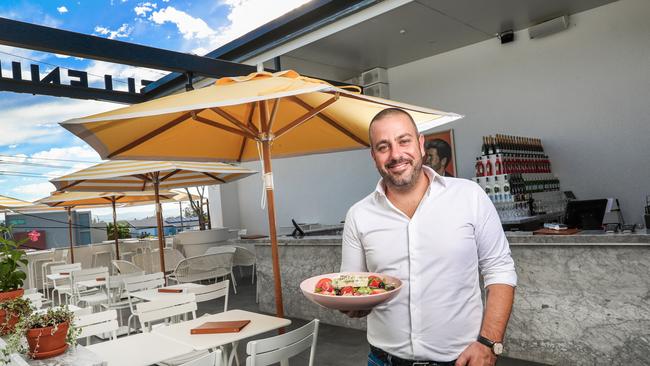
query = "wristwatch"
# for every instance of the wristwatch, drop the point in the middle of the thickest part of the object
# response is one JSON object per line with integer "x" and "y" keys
{"x": 496, "y": 347}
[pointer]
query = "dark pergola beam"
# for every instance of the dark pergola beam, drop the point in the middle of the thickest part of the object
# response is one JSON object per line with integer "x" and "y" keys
{"x": 60, "y": 90}
{"x": 36, "y": 37}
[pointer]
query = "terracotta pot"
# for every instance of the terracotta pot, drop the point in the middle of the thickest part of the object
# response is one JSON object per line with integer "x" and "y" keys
{"x": 7, "y": 325}
{"x": 4, "y": 296}
{"x": 44, "y": 344}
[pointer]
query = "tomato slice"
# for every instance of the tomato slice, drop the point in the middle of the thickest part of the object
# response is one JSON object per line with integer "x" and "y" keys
{"x": 374, "y": 283}
{"x": 324, "y": 285}
{"x": 347, "y": 291}
{"x": 377, "y": 291}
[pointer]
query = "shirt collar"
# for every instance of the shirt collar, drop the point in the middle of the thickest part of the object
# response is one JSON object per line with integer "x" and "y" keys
{"x": 434, "y": 178}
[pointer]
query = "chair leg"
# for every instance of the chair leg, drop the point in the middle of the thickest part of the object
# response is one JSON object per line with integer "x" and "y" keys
{"x": 252, "y": 274}
{"x": 234, "y": 282}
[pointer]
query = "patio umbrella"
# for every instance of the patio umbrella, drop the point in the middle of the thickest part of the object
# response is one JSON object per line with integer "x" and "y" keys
{"x": 9, "y": 203}
{"x": 245, "y": 118}
{"x": 134, "y": 176}
{"x": 68, "y": 200}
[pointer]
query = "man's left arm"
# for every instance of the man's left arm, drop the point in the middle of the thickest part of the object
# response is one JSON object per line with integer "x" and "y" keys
{"x": 499, "y": 277}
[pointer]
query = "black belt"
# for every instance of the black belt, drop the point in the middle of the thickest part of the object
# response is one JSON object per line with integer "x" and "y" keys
{"x": 396, "y": 361}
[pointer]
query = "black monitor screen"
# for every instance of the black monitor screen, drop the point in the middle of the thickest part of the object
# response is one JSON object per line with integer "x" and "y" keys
{"x": 586, "y": 215}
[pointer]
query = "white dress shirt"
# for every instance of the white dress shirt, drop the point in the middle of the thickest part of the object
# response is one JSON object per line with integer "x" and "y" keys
{"x": 437, "y": 254}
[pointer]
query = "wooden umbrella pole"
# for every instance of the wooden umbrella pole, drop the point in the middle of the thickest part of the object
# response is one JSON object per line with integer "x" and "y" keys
{"x": 159, "y": 221}
{"x": 115, "y": 232}
{"x": 268, "y": 184}
{"x": 69, "y": 209}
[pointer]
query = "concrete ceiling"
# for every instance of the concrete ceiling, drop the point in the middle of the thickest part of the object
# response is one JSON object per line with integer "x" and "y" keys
{"x": 424, "y": 28}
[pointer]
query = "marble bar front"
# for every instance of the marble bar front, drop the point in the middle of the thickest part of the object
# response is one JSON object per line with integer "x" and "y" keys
{"x": 581, "y": 299}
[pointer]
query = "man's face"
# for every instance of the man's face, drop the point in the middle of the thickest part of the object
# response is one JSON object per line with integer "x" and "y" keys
{"x": 433, "y": 160}
{"x": 397, "y": 149}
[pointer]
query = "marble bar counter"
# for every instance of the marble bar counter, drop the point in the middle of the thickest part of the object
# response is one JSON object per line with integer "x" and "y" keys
{"x": 581, "y": 300}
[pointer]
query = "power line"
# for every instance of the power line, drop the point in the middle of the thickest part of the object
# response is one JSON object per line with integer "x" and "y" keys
{"x": 51, "y": 159}
{"x": 27, "y": 163}
{"x": 24, "y": 174}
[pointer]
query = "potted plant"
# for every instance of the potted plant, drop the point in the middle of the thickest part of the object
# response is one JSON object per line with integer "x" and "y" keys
{"x": 12, "y": 257}
{"x": 48, "y": 334}
{"x": 11, "y": 311}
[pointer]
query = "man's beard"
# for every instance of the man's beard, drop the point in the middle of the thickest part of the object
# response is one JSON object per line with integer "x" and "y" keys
{"x": 401, "y": 183}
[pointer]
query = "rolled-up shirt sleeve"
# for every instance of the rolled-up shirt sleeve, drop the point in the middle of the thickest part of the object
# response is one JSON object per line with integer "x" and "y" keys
{"x": 353, "y": 258}
{"x": 495, "y": 262}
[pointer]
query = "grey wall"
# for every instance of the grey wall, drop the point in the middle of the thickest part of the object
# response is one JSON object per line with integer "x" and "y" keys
{"x": 585, "y": 92}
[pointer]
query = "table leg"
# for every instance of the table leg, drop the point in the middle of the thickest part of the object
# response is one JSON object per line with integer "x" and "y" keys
{"x": 233, "y": 353}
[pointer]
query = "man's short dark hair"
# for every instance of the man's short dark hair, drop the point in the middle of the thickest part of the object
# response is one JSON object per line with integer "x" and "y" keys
{"x": 442, "y": 148}
{"x": 391, "y": 112}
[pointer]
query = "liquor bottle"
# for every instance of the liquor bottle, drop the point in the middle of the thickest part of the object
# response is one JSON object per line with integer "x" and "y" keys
{"x": 498, "y": 165}
{"x": 490, "y": 145}
{"x": 488, "y": 188}
{"x": 488, "y": 166}
{"x": 507, "y": 194}
{"x": 484, "y": 147}
{"x": 480, "y": 169}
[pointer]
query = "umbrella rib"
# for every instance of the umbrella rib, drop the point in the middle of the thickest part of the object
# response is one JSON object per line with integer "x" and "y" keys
{"x": 332, "y": 122}
{"x": 223, "y": 127}
{"x": 150, "y": 135}
{"x": 263, "y": 116}
{"x": 214, "y": 177}
{"x": 241, "y": 149}
{"x": 305, "y": 117}
{"x": 233, "y": 120}
{"x": 250, "y": 118}
{"x": 274, "y": 111}
{"x": 169, "y": 175}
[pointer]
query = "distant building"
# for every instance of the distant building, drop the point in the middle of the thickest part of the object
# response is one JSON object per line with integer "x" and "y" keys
{"x": 148, "y": 227}
{"x": 53, "y": 227}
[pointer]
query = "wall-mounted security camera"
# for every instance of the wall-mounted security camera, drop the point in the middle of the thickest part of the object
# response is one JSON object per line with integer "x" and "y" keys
{"x": 507, "y": 36}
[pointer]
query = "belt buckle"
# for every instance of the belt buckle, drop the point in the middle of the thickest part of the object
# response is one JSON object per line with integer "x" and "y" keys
{"x": 420, "y": 363}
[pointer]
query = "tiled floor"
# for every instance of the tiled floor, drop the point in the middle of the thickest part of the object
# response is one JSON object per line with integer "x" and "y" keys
{"x": 336, "y": 346}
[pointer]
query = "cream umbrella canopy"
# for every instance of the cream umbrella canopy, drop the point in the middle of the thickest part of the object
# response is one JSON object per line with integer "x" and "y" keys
{"x": 68, "y": 200}
{"x": 134, "y": 176}
{"x": 9, "y": 203}
{"x": 245, "y": 118}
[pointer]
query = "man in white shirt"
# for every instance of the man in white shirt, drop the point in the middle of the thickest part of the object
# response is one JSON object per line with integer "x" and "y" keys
{"x": 436, "y": 234}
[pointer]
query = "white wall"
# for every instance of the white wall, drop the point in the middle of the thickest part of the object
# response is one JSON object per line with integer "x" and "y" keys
{"x": 585, "y": 92}
{"x": 311, "y": 189}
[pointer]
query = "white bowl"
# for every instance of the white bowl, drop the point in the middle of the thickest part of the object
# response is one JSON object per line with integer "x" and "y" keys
{"x": 364, "y": 302}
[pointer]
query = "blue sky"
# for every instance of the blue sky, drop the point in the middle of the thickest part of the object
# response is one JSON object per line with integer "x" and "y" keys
{"x": 29, "y": 130}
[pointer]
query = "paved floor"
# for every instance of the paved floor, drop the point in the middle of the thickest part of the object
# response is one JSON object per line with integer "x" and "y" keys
{"x": 336, "y": 346}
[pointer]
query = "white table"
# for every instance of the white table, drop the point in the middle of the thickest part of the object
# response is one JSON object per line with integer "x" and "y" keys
{"x": 141, "y": 349}
{"x": 153, "y": 294}
{"x": 259, "y": 324}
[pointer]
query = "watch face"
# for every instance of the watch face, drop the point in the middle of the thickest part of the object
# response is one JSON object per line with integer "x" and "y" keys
{"x": 497, "y": 348}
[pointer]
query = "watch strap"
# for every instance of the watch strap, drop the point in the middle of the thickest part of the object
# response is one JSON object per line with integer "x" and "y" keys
{"x": 484, "y": 341}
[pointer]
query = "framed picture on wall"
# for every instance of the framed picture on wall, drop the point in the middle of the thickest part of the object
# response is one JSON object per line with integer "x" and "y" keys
{"x": 440, "y": 152}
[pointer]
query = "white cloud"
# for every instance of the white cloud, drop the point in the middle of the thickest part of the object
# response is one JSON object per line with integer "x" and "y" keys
{"x": 143, "y": 8}
{"x": 243, "y": 17}
{"x": 187, "y": 25}
{"x": 35, "y": 190}
{"x": 122, "y": 73}
{"x": 122, "y": 32}
{"x": 62, "y": 9}
{"x": 38, "y": 121}
{"x": 13, "y": 146}
{"x": 74, "y": 153}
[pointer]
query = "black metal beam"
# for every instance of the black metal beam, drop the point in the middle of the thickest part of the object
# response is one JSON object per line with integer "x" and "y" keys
{"x": 76, "y": 92}
{"x": 36, "y": 37}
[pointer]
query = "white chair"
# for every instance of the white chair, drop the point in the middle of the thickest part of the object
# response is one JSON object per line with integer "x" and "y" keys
{"x": 96, "y": 324}
{"x": 102, "y": 258}
{"x": 46, "y": 269}
{"x": 63, "y": 286}
{"x": 212, "y": 292}
{"x": 91, "y": 296}
{"x": 143, "y": 260}
{"x": 172, "y": 258}
{"x": 125, "y": 267}
{"x": 165, "y": 309}
{"x": 244, "y": 258}
{"x": 211, "y": 359}
{"x": 35, "y": 298}
{"x": 117, "y": 296}
{"x": 226, "y": 249}
{"x": 280, "y": 348}
{"x": 140, "y": 283}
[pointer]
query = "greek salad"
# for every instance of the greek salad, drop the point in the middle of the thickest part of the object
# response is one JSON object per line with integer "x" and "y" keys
{"x": 353, "y": 285}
